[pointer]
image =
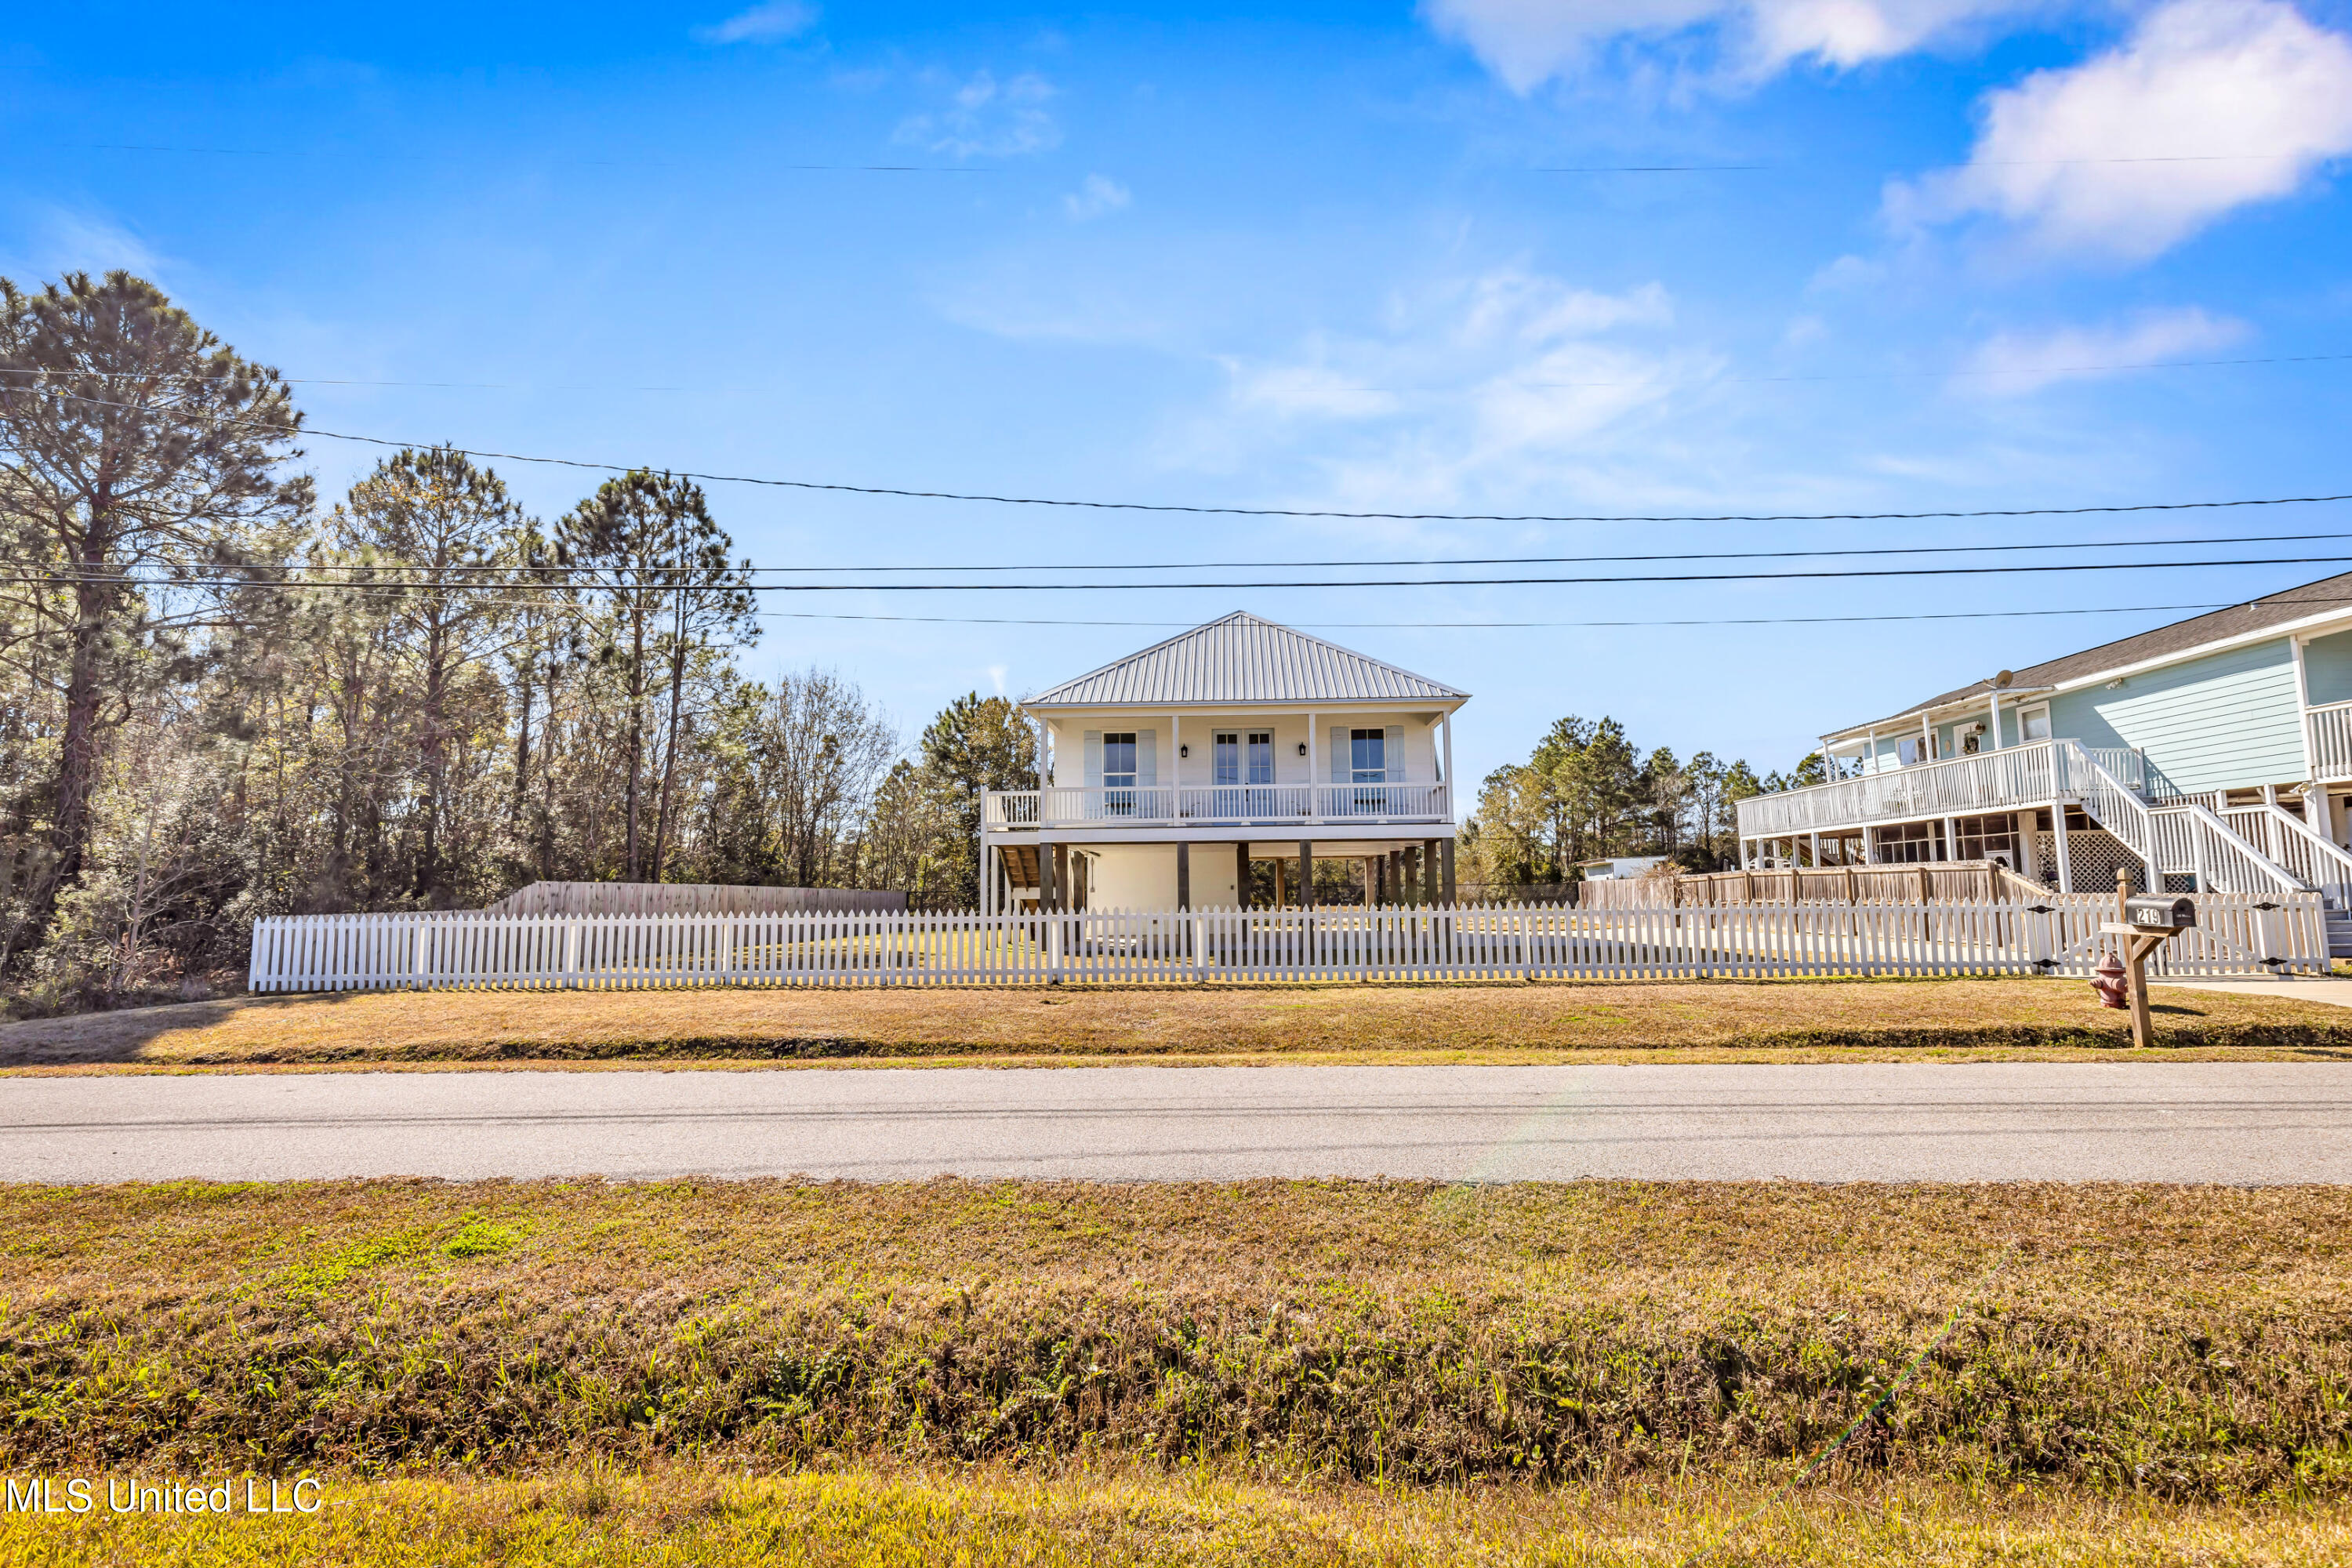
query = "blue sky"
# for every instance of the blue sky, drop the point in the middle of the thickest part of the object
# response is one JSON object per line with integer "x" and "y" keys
{"x": 1315, "y": 257}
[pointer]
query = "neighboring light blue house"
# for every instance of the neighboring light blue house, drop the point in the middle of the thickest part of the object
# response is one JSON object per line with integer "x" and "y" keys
{"x": 2213, "y": 753}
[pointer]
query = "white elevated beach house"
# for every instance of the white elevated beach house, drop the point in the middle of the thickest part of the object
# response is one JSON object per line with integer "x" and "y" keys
{"x": 2214, "y": 754}
{"x": 1167, "y": 772}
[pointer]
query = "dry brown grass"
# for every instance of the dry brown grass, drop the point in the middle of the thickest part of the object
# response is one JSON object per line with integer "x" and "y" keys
{"x": 2165, "y": 1342}
{"x": 1716, "y": 1020}
{"x": 698, "y": 1517}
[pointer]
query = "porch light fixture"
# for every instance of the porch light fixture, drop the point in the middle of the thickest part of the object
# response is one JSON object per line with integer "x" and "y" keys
{"x": 1185, "y": 749}
{"x": 1302, "y": 748}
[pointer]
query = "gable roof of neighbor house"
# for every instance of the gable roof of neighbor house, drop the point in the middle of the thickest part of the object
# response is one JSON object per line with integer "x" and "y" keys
{"x": 1242, "y": 659}
{"x": 2181, "y": 636}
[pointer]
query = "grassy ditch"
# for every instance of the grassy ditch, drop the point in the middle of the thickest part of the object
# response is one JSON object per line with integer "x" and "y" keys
{"x": 689, "y": 1517}
{"x": 1713, "y": 1020}
{"x": 2158, "y": 1342}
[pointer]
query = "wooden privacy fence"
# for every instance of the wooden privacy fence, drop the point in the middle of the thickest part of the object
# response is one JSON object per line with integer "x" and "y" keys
{"x": 683, "y": 899}
{"x": 2237, "y": 934}
{"x": 1923, "y": 881}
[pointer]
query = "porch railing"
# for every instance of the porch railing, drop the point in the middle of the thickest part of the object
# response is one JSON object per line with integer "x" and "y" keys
{"x": 2293, "y": 844}
{"x": 1210, "y": 806}
{"x": 2330, "y": 729}
{"x": 2035, "y": 774}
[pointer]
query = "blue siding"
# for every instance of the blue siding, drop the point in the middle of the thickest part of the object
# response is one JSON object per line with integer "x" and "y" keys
{"x": 2229, "y": 721}
{"x": 2327, "y": 668}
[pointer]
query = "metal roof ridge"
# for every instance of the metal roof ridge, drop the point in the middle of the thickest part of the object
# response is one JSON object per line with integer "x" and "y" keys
{"x": 1053, "y": 696}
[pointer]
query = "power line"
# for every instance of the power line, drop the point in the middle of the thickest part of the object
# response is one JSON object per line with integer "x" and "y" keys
{"x": 556, "y": 573}
{"x": 65, "y": 578}
{"x": 992, "y": 499}
{"x": 1539, "y": 625}
{"x": 2110, "y": 510}
{"x": 1571, "y": 559}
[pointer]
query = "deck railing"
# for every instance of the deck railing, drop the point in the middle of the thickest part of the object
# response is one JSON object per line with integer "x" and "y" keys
{"x": 1210, "y": 806}
{"x": 2330, "y": 727}
{"x": 2058, "y": 935}
{"x": 2035, "y": 774}
{"x": 2293, "y": 844}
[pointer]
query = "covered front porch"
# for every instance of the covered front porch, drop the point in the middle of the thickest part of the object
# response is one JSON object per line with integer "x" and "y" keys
{"x": 1026, "y": 873}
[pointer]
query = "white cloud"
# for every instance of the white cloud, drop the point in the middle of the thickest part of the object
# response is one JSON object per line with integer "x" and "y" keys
{"x": 989, "y": 118}
{"x": 766, "y": 24}
{"x": 64, "y": 240}
{"x": 1529, "y": 42}
{"x": 1097, "y": 195}
{"x": 1495, "y": 382}
{"x": 2009, "y": 364}
{"x": 1847, "y": 273}
{"x": 2209, "y": 105}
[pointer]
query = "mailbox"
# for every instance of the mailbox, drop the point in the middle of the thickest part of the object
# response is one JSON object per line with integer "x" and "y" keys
{"x": 2158, "y": 913}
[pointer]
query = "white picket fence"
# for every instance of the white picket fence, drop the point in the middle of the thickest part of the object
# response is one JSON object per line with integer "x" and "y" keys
{"x": 2238, "y": 934}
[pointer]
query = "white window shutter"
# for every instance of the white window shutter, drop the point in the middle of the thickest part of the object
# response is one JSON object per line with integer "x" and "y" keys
{"x": 1094, "y": 759}
{"x": 1340, "y": 771}
{"x": 1392, "y": 755}
{"x": 1147, "y": 757}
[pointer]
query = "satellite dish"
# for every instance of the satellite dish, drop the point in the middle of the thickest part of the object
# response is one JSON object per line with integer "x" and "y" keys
{"x": 2004, "y": 678}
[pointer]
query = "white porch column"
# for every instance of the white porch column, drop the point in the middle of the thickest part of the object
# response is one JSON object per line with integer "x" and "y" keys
{"x": 1996, "y": 718}
{"x": 1814, "y": 841}
{"x": 1450, "y": 806}
{"x": 2302, "y": 704}
{"x": 1951, "y": 838}
{"x": 1314, "y": 754}
{"x": 2058, "y": 835}
{"x": 987, "y": 874}
{"x": 1927, "y": 737}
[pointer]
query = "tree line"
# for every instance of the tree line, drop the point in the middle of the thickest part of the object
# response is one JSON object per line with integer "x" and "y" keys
{"x": 220, "y": 698}
{"x": 1587, "y": 793}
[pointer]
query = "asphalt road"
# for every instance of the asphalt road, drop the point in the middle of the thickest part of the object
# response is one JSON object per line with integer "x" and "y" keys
{"x": 2256, "y": 1122}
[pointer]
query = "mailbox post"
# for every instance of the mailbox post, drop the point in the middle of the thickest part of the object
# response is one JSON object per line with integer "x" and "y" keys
{"x": 2145, "y": 924}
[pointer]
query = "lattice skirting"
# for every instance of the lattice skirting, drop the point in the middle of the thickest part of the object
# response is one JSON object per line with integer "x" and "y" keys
{"x": 2093, "y": 857}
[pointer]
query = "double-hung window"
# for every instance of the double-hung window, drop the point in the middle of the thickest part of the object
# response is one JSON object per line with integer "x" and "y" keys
{"x": 1368, "y": 763}
{"x": 1118, "y": 773}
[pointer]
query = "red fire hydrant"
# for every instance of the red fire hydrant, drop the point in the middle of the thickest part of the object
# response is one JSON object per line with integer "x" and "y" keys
{"x": 2113, "y": 989}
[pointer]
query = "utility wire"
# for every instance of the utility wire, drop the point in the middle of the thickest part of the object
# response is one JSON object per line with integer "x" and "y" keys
{"x": 553, "y": 571}
{"x": 1544, "y": 626}
{"x": 524, "y": 596}
{"x": 65, "y": 578}
{"x": 2111, "y": 510}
